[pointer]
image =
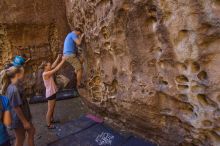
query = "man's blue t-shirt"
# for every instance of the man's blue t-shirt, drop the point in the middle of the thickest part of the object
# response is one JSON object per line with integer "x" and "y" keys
{"x": 3, "y": 132}
{"x": 69, "y": 44}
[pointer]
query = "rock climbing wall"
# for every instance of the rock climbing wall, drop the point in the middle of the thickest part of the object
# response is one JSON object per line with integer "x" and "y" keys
{"x": 152, "y": 66}
{"x": 36, "y": 29}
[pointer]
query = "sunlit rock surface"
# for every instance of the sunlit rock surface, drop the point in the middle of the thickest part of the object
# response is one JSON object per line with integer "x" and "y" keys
{"x": 152, "y": 66}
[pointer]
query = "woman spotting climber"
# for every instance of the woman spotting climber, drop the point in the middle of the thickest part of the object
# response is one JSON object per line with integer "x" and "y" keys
{"x": 73, "y": 39}
{"x": 51, "y": 88}
{"x": 21, "y": 115}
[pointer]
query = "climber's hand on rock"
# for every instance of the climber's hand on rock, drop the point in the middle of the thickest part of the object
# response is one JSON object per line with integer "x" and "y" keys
{"x": 82, "y": 35}
{"x": 64, "y": 58}
{"x": 59, "y": 55}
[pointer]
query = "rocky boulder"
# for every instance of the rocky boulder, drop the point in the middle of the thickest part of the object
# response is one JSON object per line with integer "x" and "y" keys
{"x": 152, "y": 66}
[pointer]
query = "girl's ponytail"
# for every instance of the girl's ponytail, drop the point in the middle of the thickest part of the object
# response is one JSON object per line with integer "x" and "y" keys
{"x": 5, "y": 78}
{"x": 4, "y": 82}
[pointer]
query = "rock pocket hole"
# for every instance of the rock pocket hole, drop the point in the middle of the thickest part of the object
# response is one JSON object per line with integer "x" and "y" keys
{"x": 198, "y": 88}
{"x": 151, "y": 93}
{"x": 195, "y": 67}
{"x": 107, "y": 45}
{"x": 162, "y": 82}
{"x": 202, "y": 75}
{"x": 90, "y": 84}
{"x": 182, "y": 79}
{"x": 182, "y": 97}
{"x": 181, "y": 35}
{"x": 187, "y": 109}
{"x": 202, "y": 98}
{"x": 183, "y": 87}
{"x": 105, "y": 32}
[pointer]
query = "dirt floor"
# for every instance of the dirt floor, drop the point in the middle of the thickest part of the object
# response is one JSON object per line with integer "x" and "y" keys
{"x": 65, "y": 110}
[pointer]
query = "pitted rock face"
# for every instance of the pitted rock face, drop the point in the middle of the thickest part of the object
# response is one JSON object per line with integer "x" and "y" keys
{"x": 152, "y": 66}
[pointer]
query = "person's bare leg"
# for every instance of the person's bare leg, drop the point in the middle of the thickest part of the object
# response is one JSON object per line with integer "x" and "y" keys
{"x": 31, "y": 133}
{"x": 81, "y": 59}
{"x": 20, "y": 136}
{"x": 53, "y": 109}
{"x": 51, "y": 104}
{"x": 79, "y": 77}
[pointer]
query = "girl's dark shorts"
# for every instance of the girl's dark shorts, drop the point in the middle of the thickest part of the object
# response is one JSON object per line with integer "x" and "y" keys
{"x": 53, "y": 97}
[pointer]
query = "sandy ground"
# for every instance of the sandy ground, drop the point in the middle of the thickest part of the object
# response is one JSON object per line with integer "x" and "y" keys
{"x": 65, "y": 110}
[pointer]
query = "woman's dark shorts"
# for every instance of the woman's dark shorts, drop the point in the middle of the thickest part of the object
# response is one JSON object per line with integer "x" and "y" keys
{"x": 53, "y": 97}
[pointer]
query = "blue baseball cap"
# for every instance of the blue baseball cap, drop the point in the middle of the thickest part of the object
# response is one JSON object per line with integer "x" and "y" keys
{"x": 18, "y": 61}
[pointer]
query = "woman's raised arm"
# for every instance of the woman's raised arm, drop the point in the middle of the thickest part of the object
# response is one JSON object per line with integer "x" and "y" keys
{"x": 49, "y": 73}
{"x": 56, "y": 61}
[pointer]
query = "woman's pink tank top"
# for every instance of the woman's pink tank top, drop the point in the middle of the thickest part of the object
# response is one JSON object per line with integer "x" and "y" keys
{"x": 51, "y": 87}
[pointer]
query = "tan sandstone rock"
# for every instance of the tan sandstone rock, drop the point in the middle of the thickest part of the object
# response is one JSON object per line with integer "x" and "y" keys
{"x": 153, "y": 66}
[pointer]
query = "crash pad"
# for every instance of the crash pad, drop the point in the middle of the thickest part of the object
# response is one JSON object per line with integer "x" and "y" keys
{"x": 94, "y": 136}
{"x": 74, "y": 126}
{"x": 67, "y": 94}
{"x": 89, "y": 130}
{"x": 61, "y": 95}
{"x": 37, "y": 99}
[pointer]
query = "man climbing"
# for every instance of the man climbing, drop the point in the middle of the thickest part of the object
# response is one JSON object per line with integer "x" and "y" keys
{"x": 74, "y": 39}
